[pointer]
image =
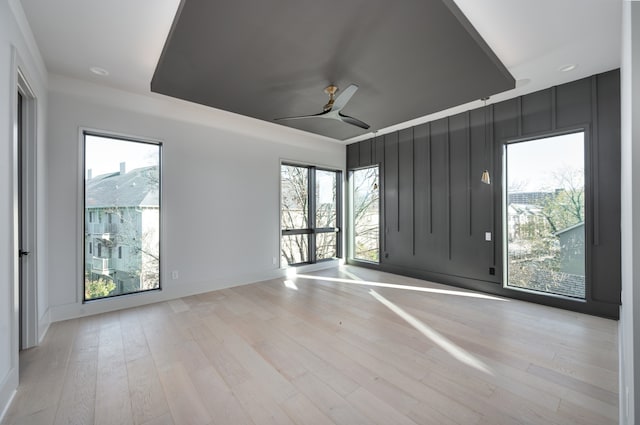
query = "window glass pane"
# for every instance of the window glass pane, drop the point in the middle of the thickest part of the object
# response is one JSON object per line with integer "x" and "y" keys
{"x": 299, "y": 186}
{"x": 295, "y": 198}
{"x": 545, "y": 215}
{"x": 326, "y": 245}
{"x": 295, "y": 249}
{"x": 122, "y": 185}
{"x": 365, "y": 214}
{"x": 325, "y": 199}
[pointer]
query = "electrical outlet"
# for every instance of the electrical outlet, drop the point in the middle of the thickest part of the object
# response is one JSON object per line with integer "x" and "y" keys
{"x": 492, "y": 270}
{"x": 274, "y": 261}
{"x": 487, "y": 236}
{"x": 174, "y": 275}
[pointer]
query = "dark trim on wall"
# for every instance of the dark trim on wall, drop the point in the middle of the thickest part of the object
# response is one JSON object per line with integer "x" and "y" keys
{"x": 444, "y": 237}
{"x": 413, "y": 192}
{"x": 429, "y": 186}
{"x": 448, "y": 166}
{"x": 469, "y": 202}
{"x": 595, "y": 166}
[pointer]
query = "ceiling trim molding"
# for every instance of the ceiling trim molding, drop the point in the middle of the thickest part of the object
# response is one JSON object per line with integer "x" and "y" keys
{"x": 29, "y": 39}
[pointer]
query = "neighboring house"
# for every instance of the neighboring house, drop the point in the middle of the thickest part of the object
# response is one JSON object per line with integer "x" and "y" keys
{"x": 531, "y": 198}
{"x": 572, "y": 249}
{"x": 523, "y": 219}
{"x": 121, "y": 215}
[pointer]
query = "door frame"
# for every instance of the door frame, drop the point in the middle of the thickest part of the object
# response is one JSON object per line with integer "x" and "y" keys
{"x": 27, "y": 314}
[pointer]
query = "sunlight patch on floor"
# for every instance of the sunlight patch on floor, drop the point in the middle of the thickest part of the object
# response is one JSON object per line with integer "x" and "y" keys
{"x": 408, "y": 287}
{"x": 290, "y": 284}
{"x": 456, "y": 352}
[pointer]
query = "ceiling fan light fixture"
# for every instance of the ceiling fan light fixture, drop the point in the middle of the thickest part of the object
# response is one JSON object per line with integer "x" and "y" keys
{"x": 333, "y": 108}
{"x": 331, "y": 91}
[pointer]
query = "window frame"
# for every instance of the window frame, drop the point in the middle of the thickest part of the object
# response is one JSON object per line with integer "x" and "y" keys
{"x": 588, "y": 218}
{"x": 83, "y": 133}
{"x": 311, "y": 230}
{"x": 351, "y": 221}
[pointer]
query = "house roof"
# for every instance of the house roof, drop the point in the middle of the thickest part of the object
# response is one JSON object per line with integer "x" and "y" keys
{"x": 137, "y": 188}
{"x": 570, "y": 228}
{"x": 529, "y": 209}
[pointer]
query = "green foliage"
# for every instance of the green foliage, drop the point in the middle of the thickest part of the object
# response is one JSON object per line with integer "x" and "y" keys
{"x": 566, "y": 207}
{"x": 98, "y": 288}
{"x": 538, "y": 245}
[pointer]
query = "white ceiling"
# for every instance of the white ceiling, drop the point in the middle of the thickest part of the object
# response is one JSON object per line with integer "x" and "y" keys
{"x": 533, "y": 38}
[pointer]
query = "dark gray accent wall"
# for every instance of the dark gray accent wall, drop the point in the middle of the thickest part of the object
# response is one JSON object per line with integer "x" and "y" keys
{"x": 435, "y": 211}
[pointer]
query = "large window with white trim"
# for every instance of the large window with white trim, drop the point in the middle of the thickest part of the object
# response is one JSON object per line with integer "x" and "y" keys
{"x": 121, "y": 216}
{"x": 310, "y": 205}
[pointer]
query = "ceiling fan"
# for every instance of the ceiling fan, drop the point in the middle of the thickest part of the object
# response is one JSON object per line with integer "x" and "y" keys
{"x": 333, "y": 108}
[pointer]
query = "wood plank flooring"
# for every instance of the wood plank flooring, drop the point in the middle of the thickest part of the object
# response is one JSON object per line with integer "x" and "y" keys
{"x": 348, "y": 346}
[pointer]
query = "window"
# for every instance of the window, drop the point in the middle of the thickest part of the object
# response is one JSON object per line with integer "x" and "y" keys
{"x": 122, "y": 178}
{"x": 545, "y": 215}
{"x": 365, "y": 214}
{"x": 310, "y": 214}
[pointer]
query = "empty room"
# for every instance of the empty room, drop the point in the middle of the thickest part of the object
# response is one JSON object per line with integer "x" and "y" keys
{"x": 295, "y": 212}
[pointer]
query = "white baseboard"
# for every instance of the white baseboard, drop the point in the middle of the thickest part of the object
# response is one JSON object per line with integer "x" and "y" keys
{"x": 43, "y": 325}
{"x": 75, "y": 310}
{"x": 8, "y": 391}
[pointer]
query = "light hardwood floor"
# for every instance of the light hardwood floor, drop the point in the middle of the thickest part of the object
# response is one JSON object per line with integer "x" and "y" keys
{"x": 336, "y": 350}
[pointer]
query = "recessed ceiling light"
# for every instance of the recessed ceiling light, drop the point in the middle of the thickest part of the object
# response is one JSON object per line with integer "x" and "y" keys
{"x": 99, "y": 71}
{"x": 568, "y": 67}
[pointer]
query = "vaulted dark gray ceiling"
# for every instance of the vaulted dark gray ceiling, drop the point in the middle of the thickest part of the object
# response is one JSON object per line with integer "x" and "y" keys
{"x": 273, "y": 58}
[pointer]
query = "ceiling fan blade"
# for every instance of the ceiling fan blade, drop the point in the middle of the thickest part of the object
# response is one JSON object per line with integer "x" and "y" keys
{"x": 353, "y": 121}
{"x": 299, "y": 117}
{"x": 344, "y": 97}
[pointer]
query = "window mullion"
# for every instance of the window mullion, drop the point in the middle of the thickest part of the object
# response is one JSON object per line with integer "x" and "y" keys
{"x": 339, "y": 214}
{"x": 312, "y": 214}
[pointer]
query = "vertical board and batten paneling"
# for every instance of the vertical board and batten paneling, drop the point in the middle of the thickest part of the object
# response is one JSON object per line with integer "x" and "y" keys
{"x": 481, "y": 205}
{"x": 536, "y": 115}
{"x": 464, "y": 241}
{"x": 406, "y": 193}
{"x": 438, "y": 250}
{"x": 389, "y": 223}
{"x": 422, "y": 191}
{"x": 353, "y": 156}
{"x": 605, "y": 255}
{"x": 365, "y": 152}
{"x": 435, "y": 212}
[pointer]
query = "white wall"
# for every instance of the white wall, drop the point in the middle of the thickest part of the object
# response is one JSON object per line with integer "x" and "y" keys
{"x": 17, "y": 49}
{"x": 630, "y": 172}
{"x": 220, "y": 189}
